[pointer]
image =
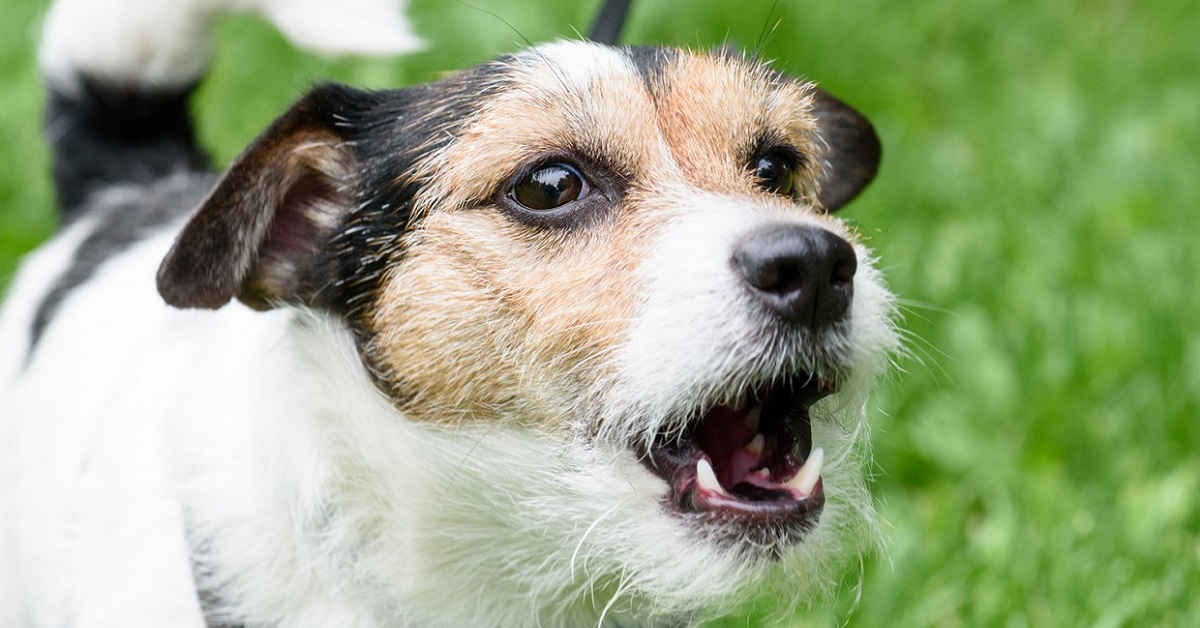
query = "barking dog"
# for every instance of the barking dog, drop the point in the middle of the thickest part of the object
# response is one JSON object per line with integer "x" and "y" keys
{"x": 568, "y": 338}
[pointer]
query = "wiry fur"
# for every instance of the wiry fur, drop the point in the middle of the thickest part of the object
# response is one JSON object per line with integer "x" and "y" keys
{"x": 433, "y": 421}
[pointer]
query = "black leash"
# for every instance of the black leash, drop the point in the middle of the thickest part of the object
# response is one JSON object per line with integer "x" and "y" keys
{"x": 607, "y": 27}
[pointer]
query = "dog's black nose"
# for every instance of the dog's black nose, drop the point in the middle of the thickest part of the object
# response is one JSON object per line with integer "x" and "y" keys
{"x": 803, "y": 273}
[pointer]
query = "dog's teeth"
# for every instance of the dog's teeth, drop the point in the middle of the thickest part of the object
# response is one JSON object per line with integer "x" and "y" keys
{"x": 806, "y": 480}
{"x": 755, "y": 446}
{"x": 752, "y": 419}
{"x": 763, "y": 473}
{"x": 706, "y": 478}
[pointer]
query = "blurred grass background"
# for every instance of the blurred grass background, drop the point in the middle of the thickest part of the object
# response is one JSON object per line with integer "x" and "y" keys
{"x": 1038, "y": 461}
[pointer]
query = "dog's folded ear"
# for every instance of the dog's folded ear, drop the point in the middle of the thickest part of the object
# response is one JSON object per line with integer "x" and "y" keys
{"x": 852, "y": 153}
{"x": 259, "y": 234}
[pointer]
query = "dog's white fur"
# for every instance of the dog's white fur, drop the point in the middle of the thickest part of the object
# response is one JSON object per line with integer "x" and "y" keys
{"x": 134, "y": 424}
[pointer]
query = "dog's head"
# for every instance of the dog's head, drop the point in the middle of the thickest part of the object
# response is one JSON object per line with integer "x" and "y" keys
{"x": 621, "y": 259}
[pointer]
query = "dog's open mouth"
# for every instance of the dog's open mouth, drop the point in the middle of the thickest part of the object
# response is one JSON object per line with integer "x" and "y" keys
{"x": 752, "y": 460}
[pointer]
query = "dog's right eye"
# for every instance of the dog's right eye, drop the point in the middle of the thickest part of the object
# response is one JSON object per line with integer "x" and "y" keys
{"x": 776, "y": 173}
{"x": 549, "y": 187}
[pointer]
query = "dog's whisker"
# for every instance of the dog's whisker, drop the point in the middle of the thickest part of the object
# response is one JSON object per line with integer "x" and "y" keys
{"x": 583, "y": 539}
{"x": 768, "y": 30}
{"x": 623, "y": 581}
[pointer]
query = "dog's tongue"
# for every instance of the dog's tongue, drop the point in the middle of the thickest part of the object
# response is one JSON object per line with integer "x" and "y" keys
{"x": 742, "y": 457}
{"x": 731, "y": 440}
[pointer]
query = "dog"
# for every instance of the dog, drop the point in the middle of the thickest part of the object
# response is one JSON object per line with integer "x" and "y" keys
{"x": 570, "y": 338}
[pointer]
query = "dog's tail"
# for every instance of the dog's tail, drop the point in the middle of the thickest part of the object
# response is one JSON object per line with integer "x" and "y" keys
{"x": 120, "y": 73}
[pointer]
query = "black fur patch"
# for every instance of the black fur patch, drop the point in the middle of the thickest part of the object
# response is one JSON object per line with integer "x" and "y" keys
{"x": 390, "y": 132}
{"x": 109, "y": 134}
{"x": 122, "y": 224}
{"x": 651, "y": 63}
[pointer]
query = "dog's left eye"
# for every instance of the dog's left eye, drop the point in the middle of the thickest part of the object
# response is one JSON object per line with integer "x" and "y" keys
{"x": 776, "y": 173}
{"x": 549, "y": 187}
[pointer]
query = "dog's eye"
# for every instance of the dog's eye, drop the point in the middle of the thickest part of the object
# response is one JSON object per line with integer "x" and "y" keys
{"x": 550, "y": 187}
{"x": 776, "y": 173}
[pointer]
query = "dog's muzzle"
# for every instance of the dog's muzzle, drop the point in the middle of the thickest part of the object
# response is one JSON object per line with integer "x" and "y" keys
{"x": 752, "y": 461}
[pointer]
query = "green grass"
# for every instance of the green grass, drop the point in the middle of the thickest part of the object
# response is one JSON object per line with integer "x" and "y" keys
{"x": 1039, "y": 460}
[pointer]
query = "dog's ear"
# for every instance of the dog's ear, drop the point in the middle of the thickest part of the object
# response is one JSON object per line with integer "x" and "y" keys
{"x": 259, "y": 234}
{"x": 852, "y": 153}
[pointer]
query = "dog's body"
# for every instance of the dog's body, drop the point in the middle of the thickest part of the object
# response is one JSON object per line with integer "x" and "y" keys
{"x": 539, "y": 342}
